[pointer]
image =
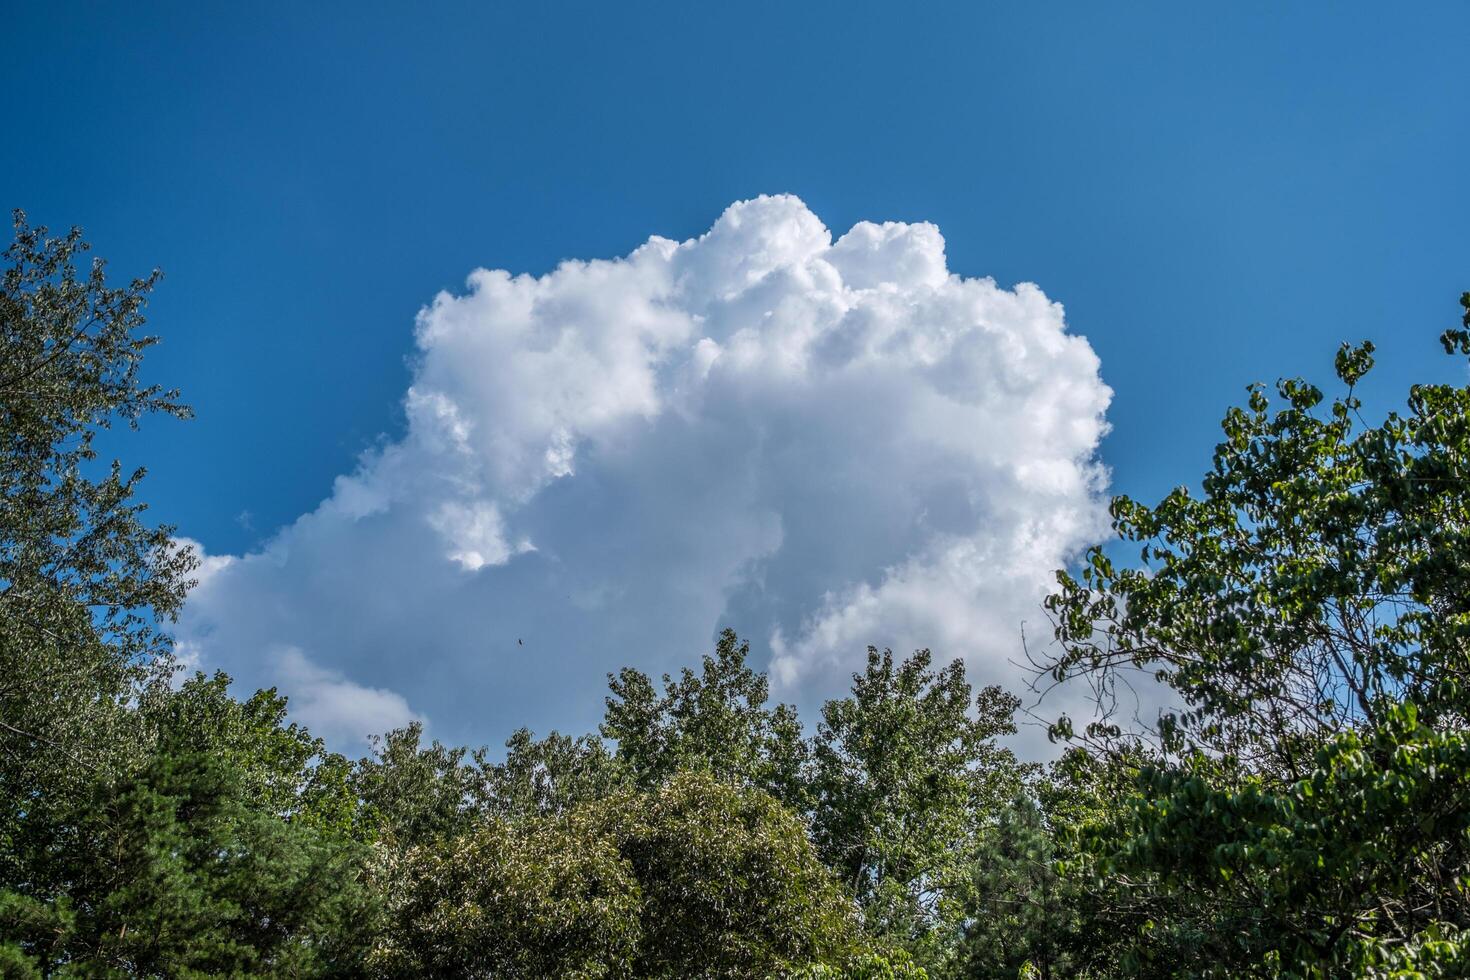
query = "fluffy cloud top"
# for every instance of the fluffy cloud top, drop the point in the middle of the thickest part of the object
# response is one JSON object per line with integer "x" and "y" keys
{"x": 823, "y": 444}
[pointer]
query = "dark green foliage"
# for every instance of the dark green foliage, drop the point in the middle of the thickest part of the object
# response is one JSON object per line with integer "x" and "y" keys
{"x": 206, "y": 884}
{"x": 1348, "y": 871}
{"x": 184, "y": 867}
{"x": 1024, "y": 917}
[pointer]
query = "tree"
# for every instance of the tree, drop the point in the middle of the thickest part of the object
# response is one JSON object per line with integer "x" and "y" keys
{"x": 225, "y": 853}
{"x": 283, "y": 769}
{"x": 715, "y": 720}
{"x": 551, "y": 775}
{"x": 906, "y": 779}
{"x": 143, "y": 830}
{"x": 895, "y": 965}
{"x": 694, "y": 878}
{"x": 195, "y": 880}
{"x": 515, "y": 899}
{"x": 83, "y": 579}
{"x": 410, "y": 794}
{"x": 1022, "y": 917}
{"x": 1309, "y": 816}
{"x": 730, "y": 883}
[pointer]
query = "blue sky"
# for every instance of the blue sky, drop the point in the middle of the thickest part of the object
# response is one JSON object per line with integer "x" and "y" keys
{"x": 1216, "y": 196}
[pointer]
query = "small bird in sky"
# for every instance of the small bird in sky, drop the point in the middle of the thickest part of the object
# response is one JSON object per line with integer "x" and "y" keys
{"x": 520, "y": 642}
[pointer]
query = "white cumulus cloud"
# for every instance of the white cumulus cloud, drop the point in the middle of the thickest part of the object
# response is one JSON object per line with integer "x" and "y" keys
{"x": 822, "y": 443}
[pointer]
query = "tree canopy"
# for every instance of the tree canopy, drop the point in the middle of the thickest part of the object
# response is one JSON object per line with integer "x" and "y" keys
{"x": 1307, "y": 812}
{"x": 1303, "y": 812}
